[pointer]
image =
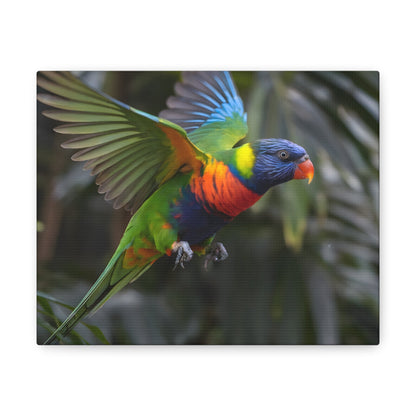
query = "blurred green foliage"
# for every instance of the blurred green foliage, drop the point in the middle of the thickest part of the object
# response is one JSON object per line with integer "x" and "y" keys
{"x": 304, "y": 261}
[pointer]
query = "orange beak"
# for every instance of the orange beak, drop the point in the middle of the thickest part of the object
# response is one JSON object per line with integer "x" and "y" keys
{"x": 304, "y": 170}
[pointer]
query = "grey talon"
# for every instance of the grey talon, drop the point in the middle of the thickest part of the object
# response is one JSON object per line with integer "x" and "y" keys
{"x": 217, "y": 253}
{"x": 183, "y": 252}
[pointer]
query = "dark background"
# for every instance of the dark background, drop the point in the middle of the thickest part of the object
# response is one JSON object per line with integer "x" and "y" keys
{"x": 303, "y": 265}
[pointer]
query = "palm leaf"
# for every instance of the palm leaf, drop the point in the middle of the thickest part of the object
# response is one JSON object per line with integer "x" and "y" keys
{"x": 45, "y": 310}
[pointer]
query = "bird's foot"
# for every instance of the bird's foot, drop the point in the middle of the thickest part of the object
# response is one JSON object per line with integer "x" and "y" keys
{"x": 184, "y": 253}
{"x": 217, "y": 253}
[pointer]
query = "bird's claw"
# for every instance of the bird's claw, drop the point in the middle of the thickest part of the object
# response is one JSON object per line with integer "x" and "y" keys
{"x": 217, "y": 253}
{"x": 184, "y": 253}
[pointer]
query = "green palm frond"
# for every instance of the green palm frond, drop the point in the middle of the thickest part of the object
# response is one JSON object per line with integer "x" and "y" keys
{"x": 46, "y": 314}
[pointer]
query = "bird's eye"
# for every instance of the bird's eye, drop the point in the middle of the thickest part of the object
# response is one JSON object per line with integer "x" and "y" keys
{"x": 283, "y": 154}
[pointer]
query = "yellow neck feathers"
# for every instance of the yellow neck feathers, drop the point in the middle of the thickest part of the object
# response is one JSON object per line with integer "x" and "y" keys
{"x": 244, "y": 160}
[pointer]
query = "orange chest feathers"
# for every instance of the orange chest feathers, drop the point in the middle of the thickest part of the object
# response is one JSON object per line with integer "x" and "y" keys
{"x": 218, "y": 189}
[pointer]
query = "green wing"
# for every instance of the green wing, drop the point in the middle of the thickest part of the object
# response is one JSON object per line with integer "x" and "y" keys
{"x": 210, "y": 110}
{"x": 131, "y": 152}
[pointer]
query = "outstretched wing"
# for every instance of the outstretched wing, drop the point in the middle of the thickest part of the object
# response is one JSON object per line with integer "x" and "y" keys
{"x": 209, "y": 108}
{"x": 131, "y": 152}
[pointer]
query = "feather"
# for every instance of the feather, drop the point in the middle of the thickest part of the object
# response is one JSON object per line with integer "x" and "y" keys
{"x": 65, "y": 104}
{"x": 206, "y": 102}
{"x": 96, "y": 139}
{"x": 74, "y": 117}
{"x": 116, "y": 141}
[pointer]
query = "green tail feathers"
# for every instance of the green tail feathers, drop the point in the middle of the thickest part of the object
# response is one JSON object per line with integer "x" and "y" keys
{"x": 112, "y": 279}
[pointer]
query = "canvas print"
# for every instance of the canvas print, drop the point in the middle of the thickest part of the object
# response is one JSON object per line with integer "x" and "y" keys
{"x": 208, "y": 207}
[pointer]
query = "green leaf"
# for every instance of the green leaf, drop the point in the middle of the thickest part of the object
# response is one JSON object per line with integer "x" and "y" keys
{"x": 97, "y": 332}
{"x": 295, "y": 207}
{"x": 44, "y": 301}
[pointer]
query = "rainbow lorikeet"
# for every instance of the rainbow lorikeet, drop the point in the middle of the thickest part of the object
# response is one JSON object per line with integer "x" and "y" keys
{"x": 179, "y": 174}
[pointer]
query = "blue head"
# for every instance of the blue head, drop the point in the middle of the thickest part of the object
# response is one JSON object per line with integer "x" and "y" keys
{"x": 278, "y": 161}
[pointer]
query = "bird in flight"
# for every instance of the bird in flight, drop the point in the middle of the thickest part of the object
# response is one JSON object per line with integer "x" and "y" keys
{"x": 182, "y": 175}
